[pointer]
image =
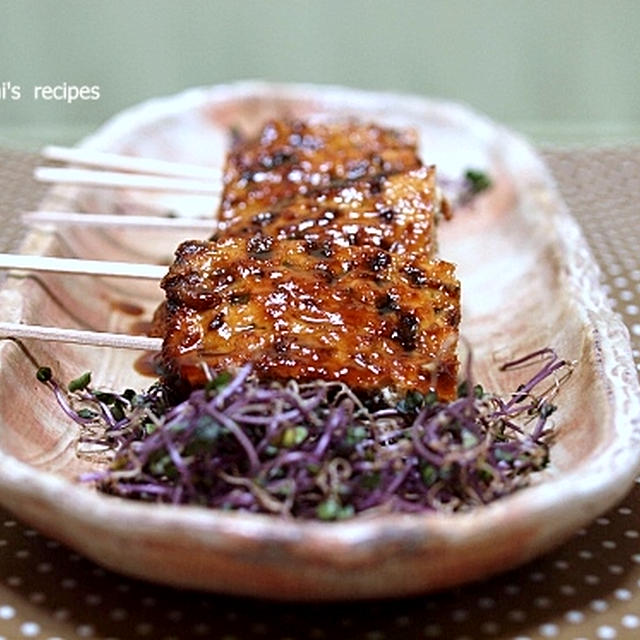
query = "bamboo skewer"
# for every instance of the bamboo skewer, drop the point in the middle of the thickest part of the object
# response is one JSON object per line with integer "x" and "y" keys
{"x": 83, "y": 267}
{"x": 125, "y": 180}
{"x": 91, "y": 158}
{"x": 68, "y": 218}
{"x": 78, "y": 336}
{"x": 142, "y": 173}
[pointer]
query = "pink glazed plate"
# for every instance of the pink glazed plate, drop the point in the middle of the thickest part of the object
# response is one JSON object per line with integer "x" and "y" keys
{"x": 528, "y": 279}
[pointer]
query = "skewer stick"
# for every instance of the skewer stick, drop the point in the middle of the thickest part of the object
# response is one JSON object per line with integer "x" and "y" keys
{"x": 78, "y": 336}
{"x": 91, "y": 158}
{"x": 52, "y": 219}
{"x": 84, "y": 267}
{"x": 125, "y": 180}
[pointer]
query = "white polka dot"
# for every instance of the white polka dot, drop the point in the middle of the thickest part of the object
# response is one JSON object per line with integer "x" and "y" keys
{"x": 144, "y": 628}
{"x": 599, "y": 605}
{"x": 69, "y": 583}
{"x": 536, "y": 576}
{"x": 522, "y": 638}
{"x": 548, "y": 630}
{"x": 486, "y": 603}
{"x": 85, "y": 631}
{"x": 514, "y": 589}
{"x": 615, "y": 569}
{"x": 592, "y": 579}
{"x": 585, "y": 554}
{"x": 459, "y": 615}
{"x": 432, "y": 630}
{"x": 632, "y": 309}
{"x": 603, "y": 521}
{"x": 574, "y": 617}
{"x": 626, "y": 295}
{"x": 625, "y": 511}
{"x": 61, "y": 614}
{"x": 118, "y": 614}
{"x": 630, "y": 621}
{"x": 609, "y": 544}
{"x": 7, "y": 612}
{"x": 93, "y": 599}
{"x": 636, "y": 558}
{"x": 605, "y": 632}
{"x": 10, "y": 523}
{"x": 29, "y": 629}
{"x": 561, "y": 564}
{"x": 516, "y": 615}
{"x": 489, "y": 628}
{"x": 22, "y": 553}
{"x": 375, "y": 635}
{"x": 44, "y": 567}
{"x": 37, "y": 597}
{"x": 631, "y": 533}
{"x": 635, "y": 329}
{"x": 259, "y": 628}
{"x": 622, "y": 594}
{"x": 567, "y": 590}
{"x": 14, "y": 581}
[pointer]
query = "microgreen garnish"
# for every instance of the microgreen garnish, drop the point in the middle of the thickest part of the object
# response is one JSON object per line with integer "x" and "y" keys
{"x": 316, "y": 450}
{"x": 81, "y": 382}
{"x": 462, "y": 191}
{"x": 478, "y": 180}
{"x": 44, "y": 374}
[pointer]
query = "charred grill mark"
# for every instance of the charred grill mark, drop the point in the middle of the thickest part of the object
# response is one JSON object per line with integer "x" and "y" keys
{"x": 416, "y": 276}
{"x": 277, "y": 159}
{"x": 406, "y": 331}
{"x": 264, "y": 218}
{"x": 388, "y": 302}
{"x": 240, "y": 298}
{"x": 321, "y": 266}
{"x": 217, "y": 322}
{"x": 259, "y": 246}
{"x": 380, "y": 261}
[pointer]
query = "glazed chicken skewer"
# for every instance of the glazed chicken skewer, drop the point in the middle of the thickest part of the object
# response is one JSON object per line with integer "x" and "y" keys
{"x": 342, "y": 219}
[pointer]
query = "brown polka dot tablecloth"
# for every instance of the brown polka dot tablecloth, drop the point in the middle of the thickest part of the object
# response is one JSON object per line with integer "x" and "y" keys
{"x": 588, "y": 589}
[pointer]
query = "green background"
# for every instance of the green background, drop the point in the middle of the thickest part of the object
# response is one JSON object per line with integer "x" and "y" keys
{"x": 561, "y": 71}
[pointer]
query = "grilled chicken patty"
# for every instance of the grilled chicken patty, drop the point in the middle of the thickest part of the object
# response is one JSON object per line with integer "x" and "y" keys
{"x": 361, "y": 315}
{"x": 291, "y": 158}
{"x": 322, "y": 267}
{"x": 397, "y": 213}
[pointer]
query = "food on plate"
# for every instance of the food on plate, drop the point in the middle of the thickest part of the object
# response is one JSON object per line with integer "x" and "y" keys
{"x": 367, "y": 317}
{"x": 291, "y": 157}
{"x": 310, "y": 348}
{"x": 396, "y": 212}
{"x": 322, "y": 267}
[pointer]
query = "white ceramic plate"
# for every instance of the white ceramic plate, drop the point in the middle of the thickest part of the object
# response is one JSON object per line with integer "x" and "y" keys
{"x": 528, "y": 281}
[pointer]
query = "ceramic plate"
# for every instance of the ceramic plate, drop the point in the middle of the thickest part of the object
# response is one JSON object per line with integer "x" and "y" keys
{"x": 528, "y": 281}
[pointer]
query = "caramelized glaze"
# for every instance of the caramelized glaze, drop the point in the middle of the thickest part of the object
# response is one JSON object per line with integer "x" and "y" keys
{"x": 361, "y": 315}
{"x": 294, "y": 157}
{"x": 322, "y": 267}
{"x": 395, "y": 213}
